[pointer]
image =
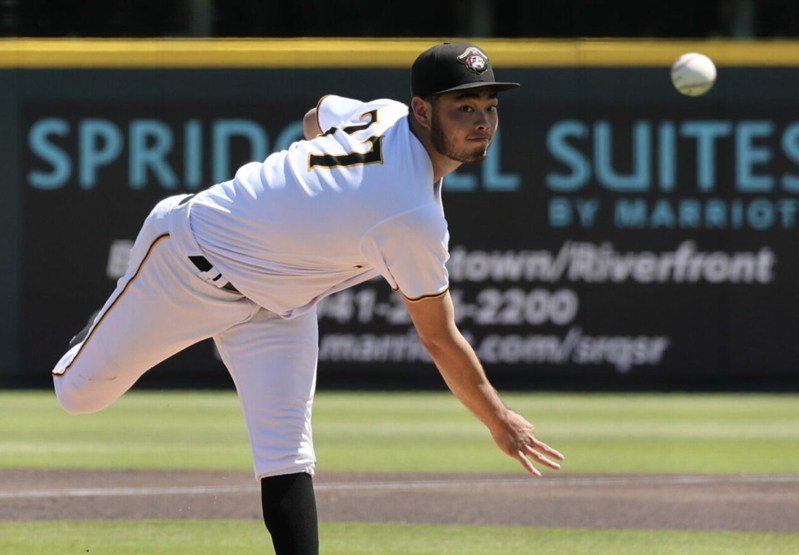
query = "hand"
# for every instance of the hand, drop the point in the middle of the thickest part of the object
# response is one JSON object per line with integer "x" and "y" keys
{"x": 515, "y": 437}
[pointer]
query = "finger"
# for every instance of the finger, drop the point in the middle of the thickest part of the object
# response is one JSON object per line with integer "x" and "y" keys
{"x": 541, "y": 446}
{"x": 531, "y": 452}
{"x": 528, "y": 466}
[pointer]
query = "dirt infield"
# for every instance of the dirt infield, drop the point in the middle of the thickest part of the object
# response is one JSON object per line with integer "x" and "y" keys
{"x": 698, "y": 502}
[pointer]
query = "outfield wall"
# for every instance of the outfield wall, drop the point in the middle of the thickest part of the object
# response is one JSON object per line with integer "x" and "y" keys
{"x": 618, "y": 233}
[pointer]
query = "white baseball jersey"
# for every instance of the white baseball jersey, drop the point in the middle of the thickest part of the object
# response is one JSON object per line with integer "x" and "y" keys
{"x": 325, "y": 214}
{"x": 356, "y": 202}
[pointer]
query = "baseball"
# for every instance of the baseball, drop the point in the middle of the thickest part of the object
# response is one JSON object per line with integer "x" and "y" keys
{"x": 693, "y": 74}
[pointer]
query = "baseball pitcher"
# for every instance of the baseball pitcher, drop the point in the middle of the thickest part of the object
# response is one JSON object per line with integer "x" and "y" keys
{"x": 246, "y": 261}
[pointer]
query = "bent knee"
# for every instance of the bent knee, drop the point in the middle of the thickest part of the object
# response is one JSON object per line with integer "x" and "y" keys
{"x": 75, "y": 400}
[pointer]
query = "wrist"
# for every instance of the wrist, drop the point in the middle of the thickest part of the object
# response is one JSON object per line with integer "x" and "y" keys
{"x": 499, "y": 419}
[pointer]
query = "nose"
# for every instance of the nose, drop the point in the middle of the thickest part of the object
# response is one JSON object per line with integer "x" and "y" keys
{"x": 483, "y": 120}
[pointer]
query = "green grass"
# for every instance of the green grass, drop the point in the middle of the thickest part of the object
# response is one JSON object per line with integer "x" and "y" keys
{"x": 413, "y": 432}
{"x": 401, "y": 431}
{"x": 198, "y": 537}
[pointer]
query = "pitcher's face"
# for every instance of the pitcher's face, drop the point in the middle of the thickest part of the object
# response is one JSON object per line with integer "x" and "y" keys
{"x": 463, "y": 123}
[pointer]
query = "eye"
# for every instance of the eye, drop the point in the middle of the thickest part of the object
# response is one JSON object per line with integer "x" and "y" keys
{"x": 467, "y": 108}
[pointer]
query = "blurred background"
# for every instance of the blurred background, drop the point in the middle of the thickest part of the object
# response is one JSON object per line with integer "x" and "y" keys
{"x": 619, "y": 236}
{"x": 360, "y": 18}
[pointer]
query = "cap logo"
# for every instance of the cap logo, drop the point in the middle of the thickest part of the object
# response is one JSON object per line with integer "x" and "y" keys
{"x": 474, "y": 59}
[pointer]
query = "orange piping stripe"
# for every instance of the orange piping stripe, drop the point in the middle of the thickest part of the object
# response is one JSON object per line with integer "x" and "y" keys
{"x": 102, "y": 316}
{"x": 423, "y": 297}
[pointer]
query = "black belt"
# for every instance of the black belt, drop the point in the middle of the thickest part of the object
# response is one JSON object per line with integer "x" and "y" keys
{"x": 202, "y": 264}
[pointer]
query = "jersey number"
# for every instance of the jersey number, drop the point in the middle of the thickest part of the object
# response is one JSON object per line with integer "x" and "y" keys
{"x": 374, "y": 154}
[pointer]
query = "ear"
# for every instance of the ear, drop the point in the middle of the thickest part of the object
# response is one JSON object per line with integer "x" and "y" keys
{"x": 422, "y": 111}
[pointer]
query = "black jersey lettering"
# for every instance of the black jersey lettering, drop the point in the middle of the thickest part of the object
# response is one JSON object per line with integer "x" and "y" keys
{"x": 374, "y": 154}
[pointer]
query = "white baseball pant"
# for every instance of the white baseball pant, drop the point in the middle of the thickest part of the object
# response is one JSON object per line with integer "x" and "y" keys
{"x": 164, "y": 304}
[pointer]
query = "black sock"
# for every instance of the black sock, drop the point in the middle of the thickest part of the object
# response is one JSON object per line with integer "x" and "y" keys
{"x": 290, "y": 513}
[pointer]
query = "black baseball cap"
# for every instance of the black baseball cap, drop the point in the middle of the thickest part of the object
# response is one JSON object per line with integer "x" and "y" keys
{"x": 453, "y": 66}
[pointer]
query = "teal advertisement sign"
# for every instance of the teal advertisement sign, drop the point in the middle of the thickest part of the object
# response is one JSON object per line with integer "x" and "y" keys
{"x": 618, "y": 233}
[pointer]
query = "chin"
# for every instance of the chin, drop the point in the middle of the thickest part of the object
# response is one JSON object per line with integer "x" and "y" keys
{"x": 474, "y": 158}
